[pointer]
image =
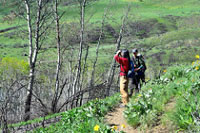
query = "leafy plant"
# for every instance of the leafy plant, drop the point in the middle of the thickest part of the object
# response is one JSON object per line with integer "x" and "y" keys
{"x": 85, "y": 118}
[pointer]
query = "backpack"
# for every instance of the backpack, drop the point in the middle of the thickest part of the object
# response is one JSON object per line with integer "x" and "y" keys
{"x": 131, "y": 72}
{"x": 140, "y": 63}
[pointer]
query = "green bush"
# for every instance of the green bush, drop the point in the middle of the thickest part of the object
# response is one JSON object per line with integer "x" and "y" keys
{"x": 12, "y": 68}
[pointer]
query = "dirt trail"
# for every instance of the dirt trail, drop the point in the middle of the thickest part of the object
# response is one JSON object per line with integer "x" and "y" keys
{"x": 116, "y": 118}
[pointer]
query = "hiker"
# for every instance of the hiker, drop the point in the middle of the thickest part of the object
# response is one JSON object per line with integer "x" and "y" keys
{"x": 123, "y": 58}
{"x": 140, "y": 66}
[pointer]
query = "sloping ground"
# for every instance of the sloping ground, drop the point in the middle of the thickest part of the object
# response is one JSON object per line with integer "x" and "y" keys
{"x": 117, "y": 119}
{"x": 168, "y": 126}
{"x": 175, "y": 92}
{"x": 85, "y": 119}
{"x": 33, "y": 126}
{"x": 166, "y": 104}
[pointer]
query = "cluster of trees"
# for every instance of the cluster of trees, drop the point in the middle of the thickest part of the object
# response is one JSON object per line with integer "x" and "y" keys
{"x": 42, "y": 86}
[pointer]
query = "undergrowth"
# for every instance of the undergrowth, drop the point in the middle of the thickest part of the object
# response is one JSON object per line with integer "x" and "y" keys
{"x": 85, "y": 119}
{"x": 179, "y": 82}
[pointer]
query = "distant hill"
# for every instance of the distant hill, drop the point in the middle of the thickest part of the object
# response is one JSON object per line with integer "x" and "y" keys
{"x": 165, "y": 31}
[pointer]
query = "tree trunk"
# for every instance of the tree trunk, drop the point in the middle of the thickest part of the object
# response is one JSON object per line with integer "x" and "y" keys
{"x": 57, "y": 85}
{"x": 32, "y": 56}
{"x": 91, "y": 84}
{"x": 31, "y": 73}
{"x": 82, "y": 79}
{"x": 78, "y": 71}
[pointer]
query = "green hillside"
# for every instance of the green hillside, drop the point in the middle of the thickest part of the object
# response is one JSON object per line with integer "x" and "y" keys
{"x": 170, "y": 100}
{"x": 166, "y": 31}
{"x": 177, "y": 88}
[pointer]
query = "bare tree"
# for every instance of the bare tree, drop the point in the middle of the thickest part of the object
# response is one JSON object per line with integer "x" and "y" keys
{"x": 82, "y": 78}
{"x": 31, "y": 63}
{"x": 98, "y": 45}
{"x": 91, "y": 82}
{"x": 78, "y": 71}
{"x": 112, "y": 68}
{"x": 34, "y": 46}
{"x": 8, "y": 98}
{"x": 58, "y": 93}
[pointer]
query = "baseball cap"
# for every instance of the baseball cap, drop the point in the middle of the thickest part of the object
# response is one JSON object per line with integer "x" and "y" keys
{"x": 134, "y": 50}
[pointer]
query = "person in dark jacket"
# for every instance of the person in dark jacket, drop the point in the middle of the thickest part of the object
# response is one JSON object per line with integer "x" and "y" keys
{"x": 140, "y": 65}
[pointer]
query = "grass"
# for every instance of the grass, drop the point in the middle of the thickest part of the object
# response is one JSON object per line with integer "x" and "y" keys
{"x": 180, "y": 83}
{"x": 37, "y": 120}
{"x": 177, "y": 45}
{"x": 140, "y": 11}
{"x": 85, "y": 118}
{"x": 92, "y": 113}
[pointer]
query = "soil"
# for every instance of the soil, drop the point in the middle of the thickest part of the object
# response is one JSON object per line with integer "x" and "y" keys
{"x": 116, "y": 118}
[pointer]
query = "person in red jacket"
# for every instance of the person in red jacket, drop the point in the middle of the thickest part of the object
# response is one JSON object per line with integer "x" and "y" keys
{"x": 123, "y": 58}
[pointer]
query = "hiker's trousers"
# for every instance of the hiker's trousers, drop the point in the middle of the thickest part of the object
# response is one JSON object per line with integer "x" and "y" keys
{"x": 124, "y": 89}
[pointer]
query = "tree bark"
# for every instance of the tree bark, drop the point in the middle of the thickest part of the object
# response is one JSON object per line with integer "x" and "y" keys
{"x": 82, "y": 78}
{"x": 32, "y": 56}
{"x": 78, "y": 71}
{"x": 57, "y": 84}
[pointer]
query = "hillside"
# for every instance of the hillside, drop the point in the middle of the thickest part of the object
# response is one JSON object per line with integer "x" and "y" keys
{"x": 57, "y": 66}
{"x": 166, "y": 104}
{"x": 165, "y": 31}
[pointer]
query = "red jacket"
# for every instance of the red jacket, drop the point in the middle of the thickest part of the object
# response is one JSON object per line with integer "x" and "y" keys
{"x": 122, "y": 61}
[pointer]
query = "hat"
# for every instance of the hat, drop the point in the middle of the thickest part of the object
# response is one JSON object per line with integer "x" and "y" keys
{"x": 134, "y": 50}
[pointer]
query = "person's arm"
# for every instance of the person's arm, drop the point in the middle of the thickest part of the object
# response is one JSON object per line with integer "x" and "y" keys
{"x": 117, "y": 58}
{"x": 143, "y": 62}
{"x": 136, "y": 69}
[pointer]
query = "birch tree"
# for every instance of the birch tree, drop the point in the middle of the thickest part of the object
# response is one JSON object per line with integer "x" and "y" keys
{"x": 78, "y": 70}
{"x": 35, "y": 35}
{"x": 57, "y": 84}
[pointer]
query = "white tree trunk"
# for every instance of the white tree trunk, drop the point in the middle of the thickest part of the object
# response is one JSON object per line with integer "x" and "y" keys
{"x": 32, "y": 56}
{"x": 78, "y": 71}
{"x": 57, "y": 84}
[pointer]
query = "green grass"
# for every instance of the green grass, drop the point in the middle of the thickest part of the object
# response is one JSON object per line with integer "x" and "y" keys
{"x": 84, "y": 119}
{"x": 180, "y": 19}
{"x": 36, "y": 120}
{"x": 181, "y": 83}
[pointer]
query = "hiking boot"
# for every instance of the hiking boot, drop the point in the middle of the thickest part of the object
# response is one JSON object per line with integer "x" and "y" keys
{"x": 131, "y": 93}
{"x": 122, "y": 106}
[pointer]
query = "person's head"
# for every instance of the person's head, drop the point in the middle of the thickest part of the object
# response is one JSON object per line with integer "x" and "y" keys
{"x": 125, "y": 53}
{"x": 135, "y": 51}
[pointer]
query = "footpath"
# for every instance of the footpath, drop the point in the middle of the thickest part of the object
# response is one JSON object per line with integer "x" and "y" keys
{"x": 116, "y": 120}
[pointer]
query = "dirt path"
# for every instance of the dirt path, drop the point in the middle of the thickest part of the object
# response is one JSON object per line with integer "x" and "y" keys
{"x": 116, "y": 118}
